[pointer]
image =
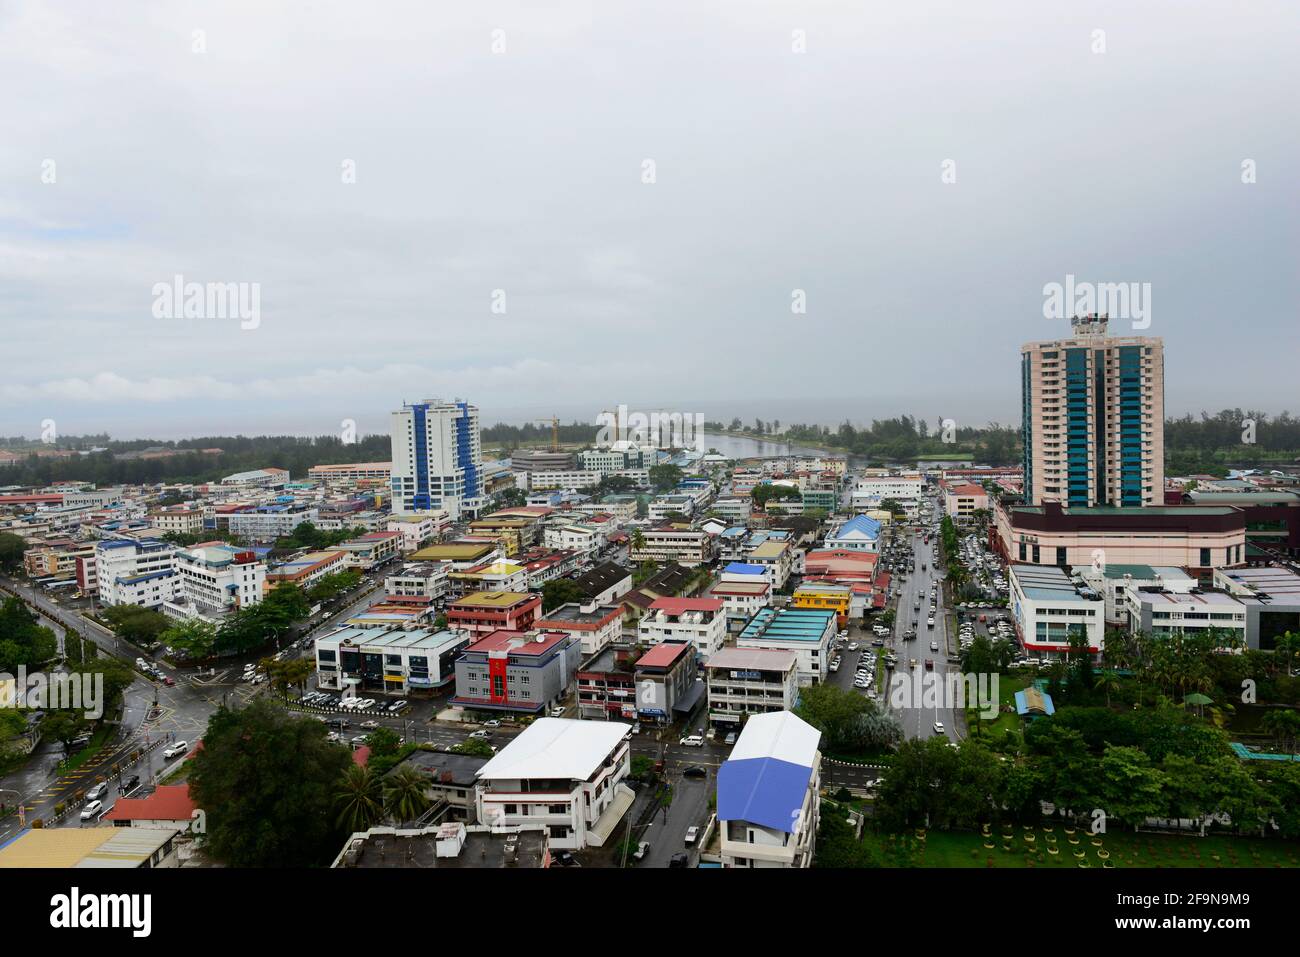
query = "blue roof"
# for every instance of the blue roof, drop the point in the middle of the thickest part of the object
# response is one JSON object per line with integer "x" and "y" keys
{"x": 745, "y": 568}
{"x": 764, "y": 791}
{"x": 863, "y": 524}
{"x": 789, "y": 624}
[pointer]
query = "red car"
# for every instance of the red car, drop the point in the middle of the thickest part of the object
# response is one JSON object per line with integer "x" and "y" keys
{"x": 169, "y": 680}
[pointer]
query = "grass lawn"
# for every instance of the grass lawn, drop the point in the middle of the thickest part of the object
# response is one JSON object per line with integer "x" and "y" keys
{"x": 1116, "y": 849}
{"x": 1008, "y": 685}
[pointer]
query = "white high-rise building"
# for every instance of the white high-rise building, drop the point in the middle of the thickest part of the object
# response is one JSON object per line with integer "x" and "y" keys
{"x": 136, "y": 572}
{"x": 437, "y": 458}
{"x": 1094, "y": 418}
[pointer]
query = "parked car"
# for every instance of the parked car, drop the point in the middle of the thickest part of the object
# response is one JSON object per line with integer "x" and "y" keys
{"x": 642, "y": 849}
{"x": 129, "y": 785}
{"x": 691, "y": 834}
{"x": 680, "y": 860}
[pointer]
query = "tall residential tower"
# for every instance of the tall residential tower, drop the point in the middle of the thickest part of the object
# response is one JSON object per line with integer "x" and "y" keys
{"x": 1094, "y": 412}
{"x": 437, "y": 458}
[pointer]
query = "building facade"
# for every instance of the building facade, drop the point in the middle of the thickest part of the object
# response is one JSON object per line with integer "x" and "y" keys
{"x": 1093, "y": 409}
{"x": 437, "y": 458}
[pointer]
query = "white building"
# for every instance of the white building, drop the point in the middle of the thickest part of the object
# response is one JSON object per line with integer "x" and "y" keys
{"x": 565, "y": 775}
{"x": 418, "y": 529}
{"x": 558, "y": 479}
{"x": 859, "y": 534}
{"x": 178, "y": 519}
{"x": 701, "y": 621}
{"x": 688, "y": 547}
{"x": 419, "y": 580}
{"x": 576, "y": 537}
{"x": 1047, "y": 606}
{"x": 1160, "y": 613}
{"x": 437, "y": 458}
{"x": 808, "y": 632}
{"x": 768, "y": 803}
{"x": 215, "y": 579}
{"x": 871, "y": 490}
{"x": 136, "y": 572}
{"x": 749, "y": 681}
{"x": 269, "y": 522}
{"x": 387, "y": 661}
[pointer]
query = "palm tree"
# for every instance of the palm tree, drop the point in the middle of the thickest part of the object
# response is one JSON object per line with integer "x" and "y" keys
{"x": 1287, "y": 647}
{"x": 404, "y": 797}
{"x": 360, "y": 799}
{"x": 1106, "y": 681}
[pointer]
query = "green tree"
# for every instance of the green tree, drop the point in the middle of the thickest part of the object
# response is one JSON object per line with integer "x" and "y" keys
{"x": 140, "y": 626}
{"x": 12, "y": 548}
{"x": 196, "y": 637}
{"x": 383, "y": 742}
{"x": 475, "y": 747}
{"x": 665, "y": 477}
{"x": 268, "y": 781}
{"x": 360, "y": 799}
{"x": 560, "y": 591}
{"x": 23, "y": 640}
{"x": 63, "y": 726}
{"x": 1131, "y": 789}
{"x": 404, "y": 794}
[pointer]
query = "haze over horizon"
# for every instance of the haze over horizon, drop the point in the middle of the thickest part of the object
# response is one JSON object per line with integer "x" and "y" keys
{"x": 521, "y": 170}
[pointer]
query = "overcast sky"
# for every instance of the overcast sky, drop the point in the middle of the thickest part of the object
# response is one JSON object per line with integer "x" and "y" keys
{"x": 521, "y": 169}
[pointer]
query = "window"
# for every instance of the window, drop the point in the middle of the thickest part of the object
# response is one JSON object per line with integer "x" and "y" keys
{"x": 1205, "y": 557}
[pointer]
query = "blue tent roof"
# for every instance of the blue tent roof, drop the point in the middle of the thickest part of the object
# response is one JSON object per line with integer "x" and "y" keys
{"x": 745, "y": 568}
{"x": 763, "y": 791}
{"x": 859, "y": 523}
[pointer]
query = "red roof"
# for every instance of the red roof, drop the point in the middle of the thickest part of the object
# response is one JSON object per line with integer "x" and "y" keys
{"x": 518, "y": 642}
{"x": 169, "y": 802}
{"x": 679, "y": 606}
{"x": 663, "y": 654}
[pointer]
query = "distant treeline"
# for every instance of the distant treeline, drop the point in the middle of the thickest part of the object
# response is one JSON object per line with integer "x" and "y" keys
{"x": 530, "y": 434}
{"x": 238, "y": 454}
{"x": 1210, "y": 443}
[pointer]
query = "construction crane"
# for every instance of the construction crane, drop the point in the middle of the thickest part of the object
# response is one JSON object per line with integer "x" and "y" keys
{"x": 555, "y": 431}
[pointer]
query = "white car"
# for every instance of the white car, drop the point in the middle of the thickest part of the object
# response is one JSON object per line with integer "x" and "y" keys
{"x": 692, "y": 741}
{"x": 938, "y": 727}
{"x": 480, "y": 735}
{"x": 691, "y": 834}
{"x": 90, "y": 810}
{"x": 853, "y": 646}
{"x": 177, "y": 749}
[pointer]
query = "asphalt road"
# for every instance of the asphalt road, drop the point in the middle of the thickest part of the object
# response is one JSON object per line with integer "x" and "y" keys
{"x": 916, "y": 714}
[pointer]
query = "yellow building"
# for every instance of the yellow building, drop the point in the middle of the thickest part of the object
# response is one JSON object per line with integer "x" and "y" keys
{"x": 824, "y": 597}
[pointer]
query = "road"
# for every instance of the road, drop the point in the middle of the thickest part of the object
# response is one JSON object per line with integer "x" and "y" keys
{"x": 920, "y": 711}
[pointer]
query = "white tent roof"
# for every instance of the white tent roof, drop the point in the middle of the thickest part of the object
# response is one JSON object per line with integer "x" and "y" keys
{"x": 556, "y": 748}
{"x": 780, "y": 735}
